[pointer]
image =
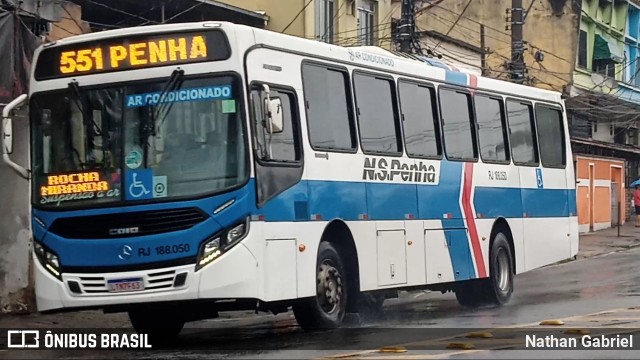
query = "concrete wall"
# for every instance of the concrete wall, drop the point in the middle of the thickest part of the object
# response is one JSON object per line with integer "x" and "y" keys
{"x": 282, "y": 12}
{"x": 550, "y": 26}
{"x": 70, "y": 23}
{"x": 15, "y": 227}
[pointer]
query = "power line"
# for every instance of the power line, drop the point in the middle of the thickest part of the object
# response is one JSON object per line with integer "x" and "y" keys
{"x": 121, "y": 11}
{"x": 297, "y": 16}
{"x": 454, "y": 24}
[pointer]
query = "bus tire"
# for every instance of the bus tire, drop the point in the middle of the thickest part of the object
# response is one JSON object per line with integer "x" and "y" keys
{"x": 162, "y": 327}
{"x": 498, "y": 287}
{"x": 328, "y": 308}
{"x": 500, "y": 271}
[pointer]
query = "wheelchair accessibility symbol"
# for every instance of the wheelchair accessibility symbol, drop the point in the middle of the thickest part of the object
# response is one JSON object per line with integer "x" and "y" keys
{"x": 139, "y": 184}
{"x": 137, "y": 188}
{"x": 539, "y": 178}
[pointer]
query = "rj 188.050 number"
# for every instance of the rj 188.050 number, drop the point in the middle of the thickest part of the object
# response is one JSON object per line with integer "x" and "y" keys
{"x": 165, "y": 250}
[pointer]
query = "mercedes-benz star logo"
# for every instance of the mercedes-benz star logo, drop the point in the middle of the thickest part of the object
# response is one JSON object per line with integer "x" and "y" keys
{"x": 125, "y": 252}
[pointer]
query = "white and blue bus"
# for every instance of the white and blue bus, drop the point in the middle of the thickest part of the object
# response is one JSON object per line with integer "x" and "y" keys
{"x": 182, "y": 170}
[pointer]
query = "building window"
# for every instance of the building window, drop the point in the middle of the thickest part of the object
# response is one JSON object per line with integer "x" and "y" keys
{"x": 633, "y": 136}
{"x": 325, "y": 20}
{"x": 605, "y": 67}
{"x": 636, "y": 73}
{"x": 366, "y": 22}
{"x": 582, "y": 49}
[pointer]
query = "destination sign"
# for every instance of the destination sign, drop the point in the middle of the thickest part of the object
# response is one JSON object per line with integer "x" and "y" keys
{"x": 118, "y": 54}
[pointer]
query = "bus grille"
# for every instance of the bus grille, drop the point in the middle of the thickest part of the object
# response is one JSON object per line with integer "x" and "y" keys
{"x": 153, "y": 281}
{"x": 127, "y": 224}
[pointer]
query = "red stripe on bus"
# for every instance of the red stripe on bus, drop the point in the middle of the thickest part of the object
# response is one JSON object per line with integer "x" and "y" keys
{"x": 473, "y": 82}
{"x": 471, "y": 221}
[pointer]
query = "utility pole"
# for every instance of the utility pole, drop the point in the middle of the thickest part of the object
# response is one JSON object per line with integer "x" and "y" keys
{"x": 407, "y": 27}
{"x": 517, "y": 65}
{"x": 483, "y": 54}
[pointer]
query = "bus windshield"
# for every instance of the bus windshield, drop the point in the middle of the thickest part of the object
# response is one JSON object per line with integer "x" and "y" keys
{"x": 144, "y": 141}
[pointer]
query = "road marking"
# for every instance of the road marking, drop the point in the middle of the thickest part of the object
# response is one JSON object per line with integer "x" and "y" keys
{"x": 497, "y": 330}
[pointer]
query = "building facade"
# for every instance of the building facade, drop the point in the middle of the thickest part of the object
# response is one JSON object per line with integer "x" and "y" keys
{"x": 586, "y": 49}
{"x": 341, "y": 22}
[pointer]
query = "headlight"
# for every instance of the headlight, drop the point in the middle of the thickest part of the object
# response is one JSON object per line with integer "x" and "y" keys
{"x": 47, "y": 259}
{"x": 215, "y": 246}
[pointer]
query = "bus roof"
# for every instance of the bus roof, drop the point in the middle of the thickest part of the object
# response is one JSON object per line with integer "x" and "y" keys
{"x": 378, "y": 58}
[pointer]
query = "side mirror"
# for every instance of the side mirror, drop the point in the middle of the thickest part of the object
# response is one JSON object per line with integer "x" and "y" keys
{"x": 274, "y": 115}
{"x": 274, "y": 122}
{"x": 7, "y": 136}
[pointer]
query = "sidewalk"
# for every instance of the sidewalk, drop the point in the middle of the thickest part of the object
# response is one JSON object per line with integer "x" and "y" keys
{"x": 592, "y": 244}
{"x": 607, "y": 241}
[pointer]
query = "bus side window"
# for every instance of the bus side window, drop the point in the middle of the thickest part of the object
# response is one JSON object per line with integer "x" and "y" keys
{"x": 420, "y": 120}
{"x": 492, "y": 129}
{"x": 457, "y": 124}
{"x": 283, "y": 146}
{"x": 329, "y": 106}
{"x": 551, "y": 136}
{"x": 524, "y": 149}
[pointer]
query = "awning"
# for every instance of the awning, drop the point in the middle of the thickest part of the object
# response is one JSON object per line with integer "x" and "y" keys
{"x": 607, "y": 48}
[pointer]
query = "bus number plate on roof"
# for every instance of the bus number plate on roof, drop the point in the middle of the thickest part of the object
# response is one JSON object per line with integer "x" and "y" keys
{"x": 125, "y": 285}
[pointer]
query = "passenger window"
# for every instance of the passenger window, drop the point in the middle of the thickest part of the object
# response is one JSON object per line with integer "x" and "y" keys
{"x": 282, "y": 146}
{"x": 524, "y": 149}
{"x": 329, "y": 109}
{"x": 377, "y": 116}
{"x": 551, "y": 135}
{"x": 492, "y": 129}
{"x": 457, "y": 125}
{"x": 419, "y": 119}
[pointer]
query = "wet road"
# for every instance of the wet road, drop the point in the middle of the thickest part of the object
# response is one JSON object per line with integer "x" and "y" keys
{"x": 585, "y": 293}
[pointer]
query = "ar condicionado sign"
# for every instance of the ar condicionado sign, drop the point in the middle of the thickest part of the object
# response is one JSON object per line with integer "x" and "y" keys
{"x": 73, "y": 184}
{"x": 118, "y": 54}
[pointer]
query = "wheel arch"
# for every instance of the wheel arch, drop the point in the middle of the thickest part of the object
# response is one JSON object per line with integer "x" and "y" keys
{"x": 501, "y": 225}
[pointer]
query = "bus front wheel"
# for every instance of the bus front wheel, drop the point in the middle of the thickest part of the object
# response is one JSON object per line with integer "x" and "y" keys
{"x": 328, "y": 308}
{"x": 498, "y": 287}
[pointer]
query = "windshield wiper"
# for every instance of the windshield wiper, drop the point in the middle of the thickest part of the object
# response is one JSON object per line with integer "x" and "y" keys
{"x": 159, "y": 111}
{"x": 163, "y": 108}
{"x": 87, "y": 121}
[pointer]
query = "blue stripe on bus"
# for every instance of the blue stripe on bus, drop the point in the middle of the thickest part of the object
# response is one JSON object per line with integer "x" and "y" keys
{"x": 348, "y": 201}
{"x": 456, "y": 77}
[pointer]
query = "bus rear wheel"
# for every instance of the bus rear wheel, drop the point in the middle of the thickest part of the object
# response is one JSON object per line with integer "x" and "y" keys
{"x": 161, "y": 326}
{"x": 328, "y": 308}
{"x": 498, "y": 288}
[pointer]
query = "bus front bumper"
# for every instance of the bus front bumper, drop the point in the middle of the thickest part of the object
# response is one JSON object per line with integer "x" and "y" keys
{"x": 232, "y": 276}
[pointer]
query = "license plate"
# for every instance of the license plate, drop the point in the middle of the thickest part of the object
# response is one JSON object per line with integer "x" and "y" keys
{"x": 124, "y": 285}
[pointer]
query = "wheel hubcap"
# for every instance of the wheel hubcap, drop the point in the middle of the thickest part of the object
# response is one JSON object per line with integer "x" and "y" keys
{"x": 329, "y": 291}
{"x": 503, "y": 271}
